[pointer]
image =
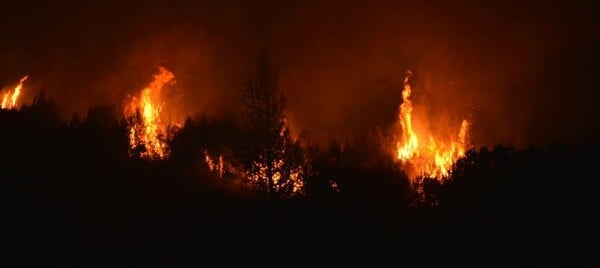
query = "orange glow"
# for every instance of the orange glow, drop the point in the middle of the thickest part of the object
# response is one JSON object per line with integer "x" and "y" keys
{"x": 410, "y": 144}
{"x": 9, "y": 99}
{"x": 430, "y": 156}
{"x": 295, "y": 176}
{"x": 295, "y": 180}
{"x": 149, "y": 129}
{"x": 280, "y": 169}
{"x": 214, "y": 166}
{"x": 287, "y": 179}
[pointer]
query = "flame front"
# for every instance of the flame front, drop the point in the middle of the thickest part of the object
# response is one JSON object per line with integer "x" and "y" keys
{"x": 426, "y": 157}
{"x": 9, "y": 99}
{"x": 148, "y": 129}
{"x": 408, "y": 148}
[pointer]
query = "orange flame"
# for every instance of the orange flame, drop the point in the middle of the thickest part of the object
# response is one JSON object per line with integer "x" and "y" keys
{"x": 426, "y": 158}
{"x": 214, "y": 166}
{"x": 411, "y": 142}
{"x": 295, "y": 176}
{"x": 9, "y": 101}
{"x": 150, "y": 131}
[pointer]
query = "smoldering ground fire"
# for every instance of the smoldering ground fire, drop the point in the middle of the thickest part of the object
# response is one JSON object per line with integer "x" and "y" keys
{"x": 275, "y": 133}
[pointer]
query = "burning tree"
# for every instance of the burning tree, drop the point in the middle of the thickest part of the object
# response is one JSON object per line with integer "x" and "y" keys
{"x": 267, "y": 161}
{"x": 427, "y": 156}
{"x": 9, "y": 99}
{"x": 148, "y": 131}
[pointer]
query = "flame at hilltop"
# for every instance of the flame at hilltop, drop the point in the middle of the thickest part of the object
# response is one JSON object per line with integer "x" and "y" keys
{"x": 9, "y": 100}
{"x": 148, "y": 131}
{"x": 425, "y": 155}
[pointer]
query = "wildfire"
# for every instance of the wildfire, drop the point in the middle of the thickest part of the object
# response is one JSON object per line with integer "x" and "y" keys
{"x": 295, "y": 176}
{"x": 214, "y": 166}
{"x": 286, "y": 177}
{"x": 426, "y": 157}
{"x": 148, "y": 130}
{"x": 295, "y": 179}
{"x": 9, "y": 100}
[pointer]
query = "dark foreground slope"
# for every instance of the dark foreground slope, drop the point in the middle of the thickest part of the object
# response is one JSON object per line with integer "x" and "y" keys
{"x": 71, "y": 196}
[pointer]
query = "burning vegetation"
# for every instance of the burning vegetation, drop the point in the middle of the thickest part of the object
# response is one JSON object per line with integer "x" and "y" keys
{"x": 342, "y": 157}
{"x": 149, "y": 128}
{"x": 10, "y": 98}
{"x": 282, "y": 176}
{"x": 269, "y": 162}
{"x": 270, "y": 159}
{"x": 214, "y": 165}
{"x": 276, "y": 172}
{"x": 424, "y": 154}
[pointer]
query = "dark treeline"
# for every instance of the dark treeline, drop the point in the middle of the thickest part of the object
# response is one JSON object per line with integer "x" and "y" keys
{"x": 72, "y": 195}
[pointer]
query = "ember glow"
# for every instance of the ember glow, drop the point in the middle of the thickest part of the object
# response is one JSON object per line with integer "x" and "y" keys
{"x": 10, "y": 98}
{"x": 295, "y": 177}
{"x": 215, "y": 165}
{"x": 148, "y": 129}
{"x": 425, "y": 155}
{"x": 295, "y": 182}
{"x": 286, "y": 177}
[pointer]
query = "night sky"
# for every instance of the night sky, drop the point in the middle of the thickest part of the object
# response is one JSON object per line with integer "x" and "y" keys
{"x": 522, "y": 72}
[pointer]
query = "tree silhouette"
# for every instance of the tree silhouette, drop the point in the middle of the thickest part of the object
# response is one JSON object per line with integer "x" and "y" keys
{"x": 267, "y": 131}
